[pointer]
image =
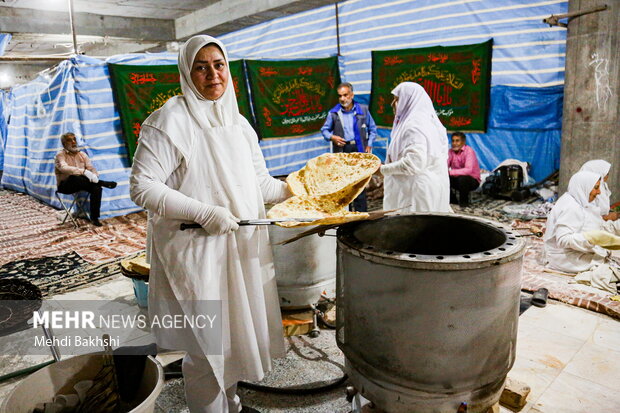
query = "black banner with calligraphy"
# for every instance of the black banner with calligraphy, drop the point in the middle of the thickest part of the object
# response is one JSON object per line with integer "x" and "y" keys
{"x": 292, "y": 98}
{"x": 141, "y": 90}
{"x": 457, "y": 78}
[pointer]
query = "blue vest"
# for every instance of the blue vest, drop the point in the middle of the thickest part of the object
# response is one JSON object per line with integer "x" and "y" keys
{"x": 359, "y": 126}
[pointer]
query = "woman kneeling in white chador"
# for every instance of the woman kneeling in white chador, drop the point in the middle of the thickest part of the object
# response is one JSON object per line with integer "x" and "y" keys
{"x": 569, "y": 244}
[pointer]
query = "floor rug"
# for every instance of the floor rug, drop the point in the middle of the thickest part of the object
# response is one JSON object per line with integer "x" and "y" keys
{"x": 30, "y": 229}
{"x": 560, "y": 286}
{"x": 61, "y": 274}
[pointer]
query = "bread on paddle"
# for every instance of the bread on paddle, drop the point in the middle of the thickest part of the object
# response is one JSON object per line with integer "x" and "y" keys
{"x": 332, "y": 172}
{"x": 327, "y": 210}
{"x": 325, "y": 187}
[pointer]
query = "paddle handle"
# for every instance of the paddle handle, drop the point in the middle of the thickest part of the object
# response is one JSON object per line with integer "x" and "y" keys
{"x": 185, "y": 226}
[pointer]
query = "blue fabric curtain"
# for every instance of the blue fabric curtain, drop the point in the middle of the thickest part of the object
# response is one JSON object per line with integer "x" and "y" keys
{"x": 525, "y": 124}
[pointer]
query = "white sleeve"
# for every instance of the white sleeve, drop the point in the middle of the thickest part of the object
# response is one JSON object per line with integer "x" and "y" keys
{"x": 567, "y": 238}
{"x": 603, "y": 200}
{"x": 612, "y": 226}
{"x": 414, "y": 158}
{"x": 155, "y": 160}
{"x": 273, "y": 190}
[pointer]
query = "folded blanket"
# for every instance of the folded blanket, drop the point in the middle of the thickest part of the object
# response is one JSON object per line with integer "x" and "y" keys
{"x": 603, "y": 276}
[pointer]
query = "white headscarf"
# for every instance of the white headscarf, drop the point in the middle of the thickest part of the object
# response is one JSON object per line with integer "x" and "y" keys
{"x": 415, "y": 108}
{"x": 580, "y": 186}
{"x": 208, "y": 113}
{"x": 600, "y": 167}
{"x": 573, "y": 206}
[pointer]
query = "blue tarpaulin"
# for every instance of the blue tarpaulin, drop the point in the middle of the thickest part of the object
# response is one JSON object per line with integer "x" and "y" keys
{"x": 525, "y": 124}
{"x": 4, "y": 110}
{"x": 526, "y": 108}
{"x": 5, "y": 38}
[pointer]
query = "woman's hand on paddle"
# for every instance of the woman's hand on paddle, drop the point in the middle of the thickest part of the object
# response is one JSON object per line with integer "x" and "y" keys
{"x": 217, "y": 220}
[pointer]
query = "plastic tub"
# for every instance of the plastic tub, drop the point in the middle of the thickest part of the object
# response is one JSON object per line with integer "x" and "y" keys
{"x": 60, "y": 377}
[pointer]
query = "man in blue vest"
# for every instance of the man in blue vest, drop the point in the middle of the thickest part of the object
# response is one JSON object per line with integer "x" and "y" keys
{"x": 350, "y": 128}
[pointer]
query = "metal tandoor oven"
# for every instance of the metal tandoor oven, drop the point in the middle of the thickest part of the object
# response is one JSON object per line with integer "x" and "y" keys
{"x": 427, "y": 310}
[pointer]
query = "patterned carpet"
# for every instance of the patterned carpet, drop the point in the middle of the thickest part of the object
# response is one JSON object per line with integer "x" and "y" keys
{"x": 60, "y": 274}
{"x": 57, "y": 257}
{"x": 559, "y": 285}
{"x": 30, "y": 229}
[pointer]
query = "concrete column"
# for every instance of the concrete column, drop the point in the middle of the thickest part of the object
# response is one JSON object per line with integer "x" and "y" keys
{"x": 591, "y": 118}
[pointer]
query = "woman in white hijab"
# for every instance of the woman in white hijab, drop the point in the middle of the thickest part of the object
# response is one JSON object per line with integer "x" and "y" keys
{"x": 575, "y": 212}
{"x": 416, "y": 166}
{"x": 198, "y": 160}
{"x": 601, "y": 167}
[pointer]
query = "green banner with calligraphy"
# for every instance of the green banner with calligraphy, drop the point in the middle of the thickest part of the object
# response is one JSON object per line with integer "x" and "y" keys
{"x": 141, "y": 90}
{"x": 292, "y": 98}
{"x": 457, "y": 78}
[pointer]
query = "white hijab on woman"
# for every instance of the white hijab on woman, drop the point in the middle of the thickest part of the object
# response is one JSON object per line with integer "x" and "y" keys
{"x": 416, "y": 169}
{"x": 208, "y": 113}
{"x": 600, "y": 167}
{"x": 566, "y": 247}
{"x": 574, "y": 208}
{"x": 415, "y": 108}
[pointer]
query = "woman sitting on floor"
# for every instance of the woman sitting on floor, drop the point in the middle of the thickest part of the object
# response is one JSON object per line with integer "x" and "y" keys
{"x": 566, "y": 247}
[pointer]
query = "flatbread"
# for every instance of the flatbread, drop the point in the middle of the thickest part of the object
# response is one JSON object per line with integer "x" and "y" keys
{"x": 326, "y": 209}
{"x": 325, "y": 187}
{"x": 137, "y": 265}
{"x": 603, "y": 238}
{"x": 332, "y": 172}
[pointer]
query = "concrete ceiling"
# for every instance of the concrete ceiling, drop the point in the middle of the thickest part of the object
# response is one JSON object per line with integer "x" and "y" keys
{"x": 42, "y": 28}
